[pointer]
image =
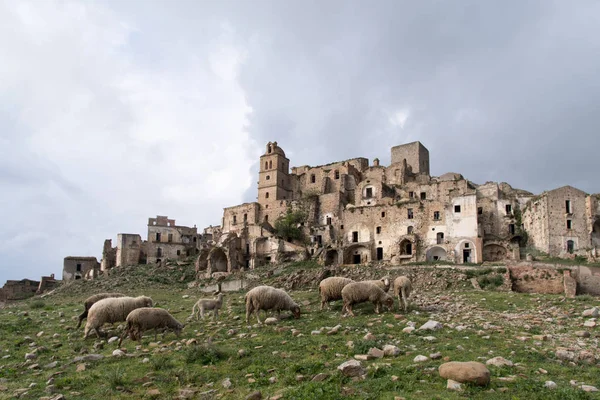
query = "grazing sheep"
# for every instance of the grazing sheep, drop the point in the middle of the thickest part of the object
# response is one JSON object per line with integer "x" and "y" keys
{"x": 113, "y": 310}
{"x": 360, "y": 292}
{"x": 269, "y": 298}
{"x": 91, "y": 300}
{"x": 383, "y": 283}
{"x": 402, "y": 289}
{"x": 146, "y": 318}
{"x": 331, "y": 289}
{"x": 208, "y": 304}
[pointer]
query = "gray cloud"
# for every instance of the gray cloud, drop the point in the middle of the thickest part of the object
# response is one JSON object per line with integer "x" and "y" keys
{"x": 111, "y": 113}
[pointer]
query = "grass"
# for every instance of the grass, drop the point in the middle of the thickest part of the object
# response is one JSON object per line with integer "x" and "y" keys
{"x": 494, "y": 322}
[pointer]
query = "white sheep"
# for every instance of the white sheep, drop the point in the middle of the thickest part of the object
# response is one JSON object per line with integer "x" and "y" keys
{"x": 90, "y": 302}
{"x": 360, "y": 292}
{"x": 269, "y": 298}
{"x": 206, "y": 305}
{"x": 331, "y": 289}
{"x": 402, "y": 289}
{"x": 383, "y": 283}
{"x": 113, "y": 310}
{"x": 146, "y": 318}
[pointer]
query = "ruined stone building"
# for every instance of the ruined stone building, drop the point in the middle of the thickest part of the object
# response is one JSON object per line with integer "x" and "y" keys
{"x": 80, "y": 267}
{"x": 358, "y": 212}
{"x": 354, "y": 212}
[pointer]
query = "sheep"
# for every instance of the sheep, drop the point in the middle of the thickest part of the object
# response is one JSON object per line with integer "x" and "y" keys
{"x": 91, "y": 300}
{"x": 331, "y": 289}
{"x": 402, "y": 289}
{"x": 146, "y": 318}
{"x": 383, "y": 283}
{"x": 269, "y": 298}
{"x": 360, "y": 292}
{"x": 113, "y": 310}
{"x": 208, "y": 304}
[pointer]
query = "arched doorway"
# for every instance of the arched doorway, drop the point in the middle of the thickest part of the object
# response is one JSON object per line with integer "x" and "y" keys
{"x": 331, "y": 257}
{"x": 218, "y": 260}
{"x": 406, "y": 248}
{"x": 596, "y": 234}
{"x": 466, "y": 252}
{"x": 494, "y": 252}
{"x": 357, "y": 255}
{"x": 436, "y": 253}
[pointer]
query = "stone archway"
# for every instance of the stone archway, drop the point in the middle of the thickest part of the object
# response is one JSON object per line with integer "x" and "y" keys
{"x": 494, "y": 252}
{"x": 436, "y": 253}
{"x": 358, "y": 254}
{"x": 218, "y": 260}
{"x": 331, "y": 257}
{"x": 466, "y": 252}
{"x": 406, "y": 248}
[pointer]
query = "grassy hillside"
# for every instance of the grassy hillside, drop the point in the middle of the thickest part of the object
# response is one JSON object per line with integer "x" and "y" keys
{"x": 230, "y": 359}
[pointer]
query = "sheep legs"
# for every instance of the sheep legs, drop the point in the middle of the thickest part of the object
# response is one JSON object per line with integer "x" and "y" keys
{"x": 403, "y": 300}
{"x": 81, "y": 318}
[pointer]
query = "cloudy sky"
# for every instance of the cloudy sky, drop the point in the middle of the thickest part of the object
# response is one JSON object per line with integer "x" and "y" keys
{"x": 115, "y": 111}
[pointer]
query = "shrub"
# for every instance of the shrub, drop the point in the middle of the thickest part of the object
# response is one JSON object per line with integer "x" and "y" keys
{"x": 37, "y": 304}
{"x": 204, "y": 354}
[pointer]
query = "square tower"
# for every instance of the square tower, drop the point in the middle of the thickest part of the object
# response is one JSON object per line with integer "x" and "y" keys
{"x": 416, "y": 155}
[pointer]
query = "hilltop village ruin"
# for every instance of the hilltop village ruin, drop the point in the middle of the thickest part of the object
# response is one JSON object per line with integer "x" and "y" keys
{"x": 353, "y": 212}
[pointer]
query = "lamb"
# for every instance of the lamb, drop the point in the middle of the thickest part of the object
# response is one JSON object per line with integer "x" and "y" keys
{"x": 269, "y": 298}
{"x": 91, "y": 300}
{"x": 360, "y": 292}
{"x": 383, "y": 283}
{"x": 113, "y": 310}
{"x": 208, "y": 304}
{"x": 331, "y": 289}
{"x": 146, "y": 318}
{"x": 402, "y": 286}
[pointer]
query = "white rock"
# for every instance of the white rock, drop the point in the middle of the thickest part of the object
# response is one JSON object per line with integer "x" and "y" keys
{"x": 590, "y": 323}
{"x": 352, "y": 368}
{"x": 431, "y": 325}
{"x": 453, "y": 385}
{"x": 550, "y": 385}
{"x": 430, "y": 338}
{"x": 113, "y": 339}
{"x": 391, "y": 350}
{"x": 315, "y": 332}
{"x": 588, "y": 388}
{"x": 499, "y": 362}
{"x": 271, "y": 321}
{"x": 591, "y": 312}
{"x": 420, "y": 358}
{"x": 408, "y": 329}
{"x": 118, "y": 353}
{"x": 227, "y": 383}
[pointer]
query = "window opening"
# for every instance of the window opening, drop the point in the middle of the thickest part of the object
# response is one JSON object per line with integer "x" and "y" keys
{"x": 267, "y": 177}
{"x": 336, "y": 174}
{"x": 313, "y": 179}
{"x": 369, "y": 192}
{"x": 378, "y": 230}
{"x": 354, "y": 237}
{"x": 78, "y": 267}
{"x": 158, "y": 236}
{"x": 570, "y": 246}
{"x": 440, "y": 238}
{"x": 569, "y": 224}
{"x": 158, "y": 252}
{"x": 410, "y": 213}
{"x": 457, "y": 208}
{"x": 328, "y": 220}
{"x": 379, "y": 253}
{"x": 234, "y": 220}
{"x": 170, "y": 237}
{"x": 568, "y": 206}
{"x": 436, "y": 215}
{"x": 508, "y": 208}
{"x": 410, "y": 230}
{"x": 511, "y": 229}
{"x": 479, "y": 210}
{"x": 411, "y": 194}
{"x": 383, "y": 214}
{"x": 423, "y": 196}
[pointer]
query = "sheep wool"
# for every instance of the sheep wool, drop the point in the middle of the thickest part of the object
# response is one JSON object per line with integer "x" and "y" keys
{"x": 402, "y": 289}
{"x": 330, "y": 289}
{"x": 203, "y": 305}
{"x": 269, "y": 298}
{"x": 360, "y": 292}
{"x": 90, "y": 302}
{"x": 146, "y": 318}
{"x": 384, "y": 283}
{"x": 113, "y": 310}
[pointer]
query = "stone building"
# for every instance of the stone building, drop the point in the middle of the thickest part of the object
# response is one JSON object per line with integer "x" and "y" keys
{"x": 564, "y": 222}
{"x": 166, "y": 240}
{"x": 358, "y": 213}
{"x": 18, "y": 290}
{"x": 80, "y": 267}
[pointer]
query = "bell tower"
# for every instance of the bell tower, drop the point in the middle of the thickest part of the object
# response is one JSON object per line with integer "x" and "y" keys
{"x": 273, "y": 178}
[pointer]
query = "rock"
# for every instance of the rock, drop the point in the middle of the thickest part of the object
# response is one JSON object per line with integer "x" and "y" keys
{"x": 271, "y": 321}
{"x": 186, "y": 394}
{"x": 145, "y": 360}
{"x": 51, "y": 365}
{"x": 369, "y": 336}
{"x": 113, "y": 339}
{"x": 50, "y": 389}
{"x": 273, "y": 379}
{"x": 408, "y": 329}
{"x": 431, "y": 325}
{"x": 351, "y": 368}
{"x": 185, "y": 296}
{"x": 569, "y": 285}
{"x": 118, "y": 353}
{"x": 435, "y": 356}
{"x": 453, "y": 385}
{"x": 315, "y": 333}
{"x": 153, "y": 393}
{"x": 463, "y": 372}
{"x": 391, "y": 350}
{"x": 88, "y": 357}
{"x": 429, "y": 338}
{"x": 80, "y": 368}
{"x": 363, "y": 357}
{"x": 583, "y": 334}
{"x": 587, "y": 357}
{"x": 318, "y": 378}
{"x": 241, "y": 353}
{"x": 227, "y": 383}
{"x": 588, "y": 388}
{"x": 30, "y": 356}
{"x": 550, "y": 385}
{"x": 590, "y": 323}
{"x": 563, "y": 354}
{"x": 254, "y": 396}
{"x": 40, "y": 334}
{"x": 591, "y": 312}
{"x": 375, "y": 352}
{"x": 499, "y": 362}
{"x": 420, "y": 358}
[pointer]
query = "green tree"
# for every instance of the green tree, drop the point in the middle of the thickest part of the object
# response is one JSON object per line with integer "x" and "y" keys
{"x": 288, "y": 226}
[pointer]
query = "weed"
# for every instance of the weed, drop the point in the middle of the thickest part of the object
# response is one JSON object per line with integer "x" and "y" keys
{"x": 37, "y": 304}
{"x": 204, "y": 354}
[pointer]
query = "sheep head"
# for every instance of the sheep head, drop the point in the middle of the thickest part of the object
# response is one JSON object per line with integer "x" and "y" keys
{"x": 296, "y": 312}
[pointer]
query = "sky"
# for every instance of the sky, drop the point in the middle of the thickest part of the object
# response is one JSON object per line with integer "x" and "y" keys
{"x": 112, "y": 112}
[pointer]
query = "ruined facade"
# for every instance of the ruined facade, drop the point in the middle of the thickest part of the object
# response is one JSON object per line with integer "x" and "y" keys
{"x": 358, "y": 213}
{"x": 80, "y": 267}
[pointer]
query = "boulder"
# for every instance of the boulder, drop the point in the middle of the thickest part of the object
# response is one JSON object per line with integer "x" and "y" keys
{"x": 463, "y": 372}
